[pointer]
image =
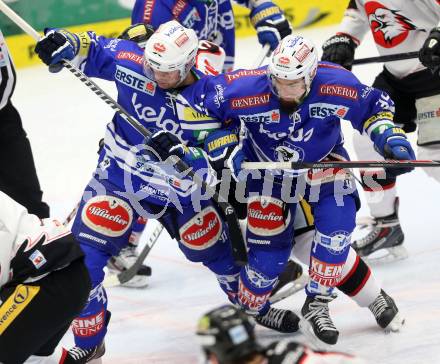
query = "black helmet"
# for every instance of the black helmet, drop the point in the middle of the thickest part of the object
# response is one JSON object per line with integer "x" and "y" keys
{"x": 228, "y": 333}
{"x": 138, "y": 33}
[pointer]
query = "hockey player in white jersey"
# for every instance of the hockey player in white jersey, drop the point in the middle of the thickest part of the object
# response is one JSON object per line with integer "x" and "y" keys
{"x": 39, "y": 259}
{"x": 397, "y": 26}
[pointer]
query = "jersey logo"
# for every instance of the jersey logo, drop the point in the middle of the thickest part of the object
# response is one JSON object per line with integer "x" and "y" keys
{"x": 243, "y": 73}
{"x": 268, "y": 117}
{"x": 339, "y": 90}
{"x": 107, "y": 215}
{"x": 202, "y": 231}
{"x": 15, "y": 304}
{"x": 135, "y": 80}
{"x": 250, "y": 101}
{"x": 388, "y": 26}
{"x": 148, "y": 10}
{"x": 323, "y": 110}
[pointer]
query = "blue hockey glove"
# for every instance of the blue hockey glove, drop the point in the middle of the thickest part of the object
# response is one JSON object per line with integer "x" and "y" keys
{"x": 219, "y": 145}
{"x": 234, "y": 162}
{"x": 56, "y": 45}
{"x": 393, "y": 144}
{"x": 270, "y": 23}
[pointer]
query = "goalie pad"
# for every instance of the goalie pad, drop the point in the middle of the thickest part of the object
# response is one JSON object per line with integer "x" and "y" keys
{"x": 428, "y": 120}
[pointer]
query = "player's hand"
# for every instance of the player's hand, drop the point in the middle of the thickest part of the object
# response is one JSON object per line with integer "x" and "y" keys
{"x": 234, "y": 162}
{"x": 56, "y": 45}
{"x": 219, "y": 144}
{"x": 158, "y": 146}
{"x": 339, "y": 49}
{"x": 270, "y": 23}
{"x": 138, "y": 33}
{"x": 429, "y": 54}
{"x": 393, "y": 144}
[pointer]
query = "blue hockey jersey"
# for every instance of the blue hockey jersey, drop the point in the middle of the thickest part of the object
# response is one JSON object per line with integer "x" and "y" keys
{"x": 122, "y": 160}
{"x": 211, "y": 20}
{"x": 312, "y": 132}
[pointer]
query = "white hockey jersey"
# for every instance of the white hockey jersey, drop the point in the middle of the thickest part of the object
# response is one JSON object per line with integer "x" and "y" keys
{"x": 26, "y": 252}
{"x": 397, "y": 26}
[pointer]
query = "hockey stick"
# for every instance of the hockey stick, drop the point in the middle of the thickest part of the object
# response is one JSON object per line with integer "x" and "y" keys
{"x": 124, "y": 276}
{"x": 341, "y": 164}
{"x": 386, "y": 58}
{"x": 238, "y": 245}
{"x": 72, "y": 214}
{"x": 261, "y": 56}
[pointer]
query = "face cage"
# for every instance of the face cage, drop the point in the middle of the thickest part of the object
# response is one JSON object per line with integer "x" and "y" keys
{"x": 274, "y": 90}
{"x": 183, "y": 70}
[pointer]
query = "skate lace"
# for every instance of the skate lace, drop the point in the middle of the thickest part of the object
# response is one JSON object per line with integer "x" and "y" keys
{"x": 369, "y": 238}
{"x": 378, "y": 306}
{"x": 77, "y": 353}
{"x": 273, "y": 318}
{"x": 319, "y": 313}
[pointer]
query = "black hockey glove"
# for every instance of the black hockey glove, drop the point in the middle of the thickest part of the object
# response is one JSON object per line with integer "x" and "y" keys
{"x": 159, "y": 145}
{"x": 429, "y": 54}
{"x": 138, "y": 33}
{"x": 339, "y": 49}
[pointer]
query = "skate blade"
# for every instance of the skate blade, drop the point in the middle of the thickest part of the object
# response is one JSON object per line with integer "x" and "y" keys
{"x": 96, "y": 361}
{"x": 136, "y": 282}
{"x": 111, "y": 280}
{"x": 388, "y": 255}
{"x": 293, "y": 287}
{"x": 396, "y": 324}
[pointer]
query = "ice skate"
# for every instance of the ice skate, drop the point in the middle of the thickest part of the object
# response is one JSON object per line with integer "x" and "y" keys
{"x": 77, "y": 355}
{"x": 125, "y": 260}
{"x": 316, "y": 311}
{"x": 386, "y": 313}
{"x": 384, "y": 236}
{"x": 280, "y": 320}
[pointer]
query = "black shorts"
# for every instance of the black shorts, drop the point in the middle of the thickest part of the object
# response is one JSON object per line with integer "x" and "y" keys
{"x": 406, "y": 91}
{"x": 35, "y": 316}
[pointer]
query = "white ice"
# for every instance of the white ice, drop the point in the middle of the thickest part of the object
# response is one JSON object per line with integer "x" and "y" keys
{"x": 65, "y": 120}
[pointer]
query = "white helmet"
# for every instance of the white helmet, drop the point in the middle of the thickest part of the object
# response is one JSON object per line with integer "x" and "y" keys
{"x": 294, "y": 58}
{"x": 172, "y": 47}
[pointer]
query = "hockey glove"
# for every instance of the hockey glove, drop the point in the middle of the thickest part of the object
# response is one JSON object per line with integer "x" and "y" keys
{"x": 138, "y": 33}
{"x": 56, "y": 45}
{"x": 219, "y": 144}
{"x": 393, "y": 144}
{"x": 158, "y": 146}
{"x": 270, "y": 23}
{"x": 339, "y": 49}
{"x": 429, "y": 54}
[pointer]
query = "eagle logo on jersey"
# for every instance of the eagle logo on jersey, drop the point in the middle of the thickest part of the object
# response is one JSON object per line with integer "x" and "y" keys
{"x": 389, "y": 27}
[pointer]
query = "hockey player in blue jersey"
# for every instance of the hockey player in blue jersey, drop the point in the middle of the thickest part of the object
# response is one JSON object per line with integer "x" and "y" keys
{"x": 292, "y": 110}
{"x": 130, "y": 180}
{"x": 213, "y": 20}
